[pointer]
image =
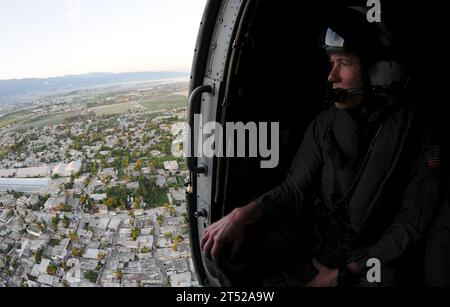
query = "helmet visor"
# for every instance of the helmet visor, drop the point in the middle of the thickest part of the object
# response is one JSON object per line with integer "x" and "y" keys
{"x": 334, "y": 42}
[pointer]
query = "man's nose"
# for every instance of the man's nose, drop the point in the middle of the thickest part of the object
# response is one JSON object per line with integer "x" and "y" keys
{"x": 334, "y": 75}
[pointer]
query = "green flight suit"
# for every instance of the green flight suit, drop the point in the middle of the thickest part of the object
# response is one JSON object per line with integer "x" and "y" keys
{"x": 368, "y": 186}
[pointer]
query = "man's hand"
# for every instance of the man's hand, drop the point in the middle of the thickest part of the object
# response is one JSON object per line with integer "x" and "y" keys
{"x": 231, "y": 228}
{"x": 327, "y": 277}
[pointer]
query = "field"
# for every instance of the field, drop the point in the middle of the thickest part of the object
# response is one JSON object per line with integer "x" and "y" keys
{"x": 165, "y": 100}
{"x": 114, "y": 109}
{"x": 170, "y": 102}
{"x": 13, "y": 118}
{"x": 45, "y": 121}
{"x": 3, "y": 152}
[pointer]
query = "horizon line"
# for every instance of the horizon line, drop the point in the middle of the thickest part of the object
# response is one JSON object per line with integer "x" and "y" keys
{"x": 96, "y": 72}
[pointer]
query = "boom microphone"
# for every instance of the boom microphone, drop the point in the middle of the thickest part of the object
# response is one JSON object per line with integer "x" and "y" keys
{"x": 333, "y": 95}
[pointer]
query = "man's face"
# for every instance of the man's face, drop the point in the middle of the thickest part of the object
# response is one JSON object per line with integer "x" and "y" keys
{"x": 346, "y": 74}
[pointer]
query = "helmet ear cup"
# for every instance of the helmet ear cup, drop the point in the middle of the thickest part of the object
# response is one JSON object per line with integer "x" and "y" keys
{"x": 384, "y": 73}
{"x": 388, "y": 81}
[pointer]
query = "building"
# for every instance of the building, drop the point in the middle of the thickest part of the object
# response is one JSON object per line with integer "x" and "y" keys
{"x": 98, "y": 197}
{"x": 7, "y": 200}
{"x": 176, "y": 197}
{"x": 160, "y": 181}
{"x": 6, "y": 216}
{"x": 67, "y": 170}
{"x": 34, "y": 231}
{"x": 180, "y": 280}
{"x": 53, "y": 203}
{"x": 7, "y": 173}
{"x": 31, "y": 172}
{"x": 47, "y": 279}
{"x": 92, "y": 254}
{"x": 35, "y": 185}
{"x": 171, "y": 166}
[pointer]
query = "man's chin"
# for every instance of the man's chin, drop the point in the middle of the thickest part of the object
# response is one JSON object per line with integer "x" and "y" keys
{"x": 347, "y": 104}
{"x": 342, "y": 105}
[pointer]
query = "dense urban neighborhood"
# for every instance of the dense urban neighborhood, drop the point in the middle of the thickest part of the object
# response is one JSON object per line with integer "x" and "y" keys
{"x": 92, "y": 189}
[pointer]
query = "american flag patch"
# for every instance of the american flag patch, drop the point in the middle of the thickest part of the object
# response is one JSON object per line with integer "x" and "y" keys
{"x": 434, "y": 156}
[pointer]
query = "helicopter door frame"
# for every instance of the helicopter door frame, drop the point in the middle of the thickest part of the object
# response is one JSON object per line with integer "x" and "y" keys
{"x": 209, "y": 71}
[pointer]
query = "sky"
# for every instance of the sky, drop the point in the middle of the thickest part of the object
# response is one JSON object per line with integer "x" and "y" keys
{"x": 48, "y": 38}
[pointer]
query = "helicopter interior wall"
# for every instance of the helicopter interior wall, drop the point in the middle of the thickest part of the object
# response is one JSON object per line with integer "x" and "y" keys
{"x": 281, "y": 77}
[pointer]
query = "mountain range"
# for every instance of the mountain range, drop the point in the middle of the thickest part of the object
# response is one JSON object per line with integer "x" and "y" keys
{"x": 20, "y": 87}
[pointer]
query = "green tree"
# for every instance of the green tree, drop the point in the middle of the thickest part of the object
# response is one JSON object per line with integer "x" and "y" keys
{"x": 138, "y": 166}
{"x": 78, "y": 252}
{"x": 38, "y": 256}
{"x": 54, "y": 242}
{"x": 126, "y": 162}
{"x": 91, "y": 276}
{"x": 15, "y": 263}
{"x": 168, "y": 235}
{"x": 119, "y": 274}
{"x": 145, "y": 250}
{"x": 52, "y": 269}
{"x": 69, "y": 185}
{"x": 107, "y": 179}
{"x": 86, "y": 182}
{"x": 151, "y": 193}
{"x": 41, "y": 225}
{"x": 10, "y": 214}
{"x": 55, "y": 221}
{"x": 135, "y": 233}
{"x": 66, "y": 222}
{"x": 110, "y": 202}
{"x": 73, "y": 236}
{"x": 64, "y": 266}
{"x": 137, "y": 202}
{"x": 171, "y": 209}
{"x": 65, "y": 208}
{"x": 94, "y": 168}
{"x": 117, "y": 197}
{"x": 176, "y": 242}
{"x": 160, "y": 219}
{"x": 83, "y": 199}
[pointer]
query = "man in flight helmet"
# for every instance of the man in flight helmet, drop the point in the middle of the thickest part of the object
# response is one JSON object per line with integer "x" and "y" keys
{"x": 371, "y": 48}
{"x": 362, "y": 175}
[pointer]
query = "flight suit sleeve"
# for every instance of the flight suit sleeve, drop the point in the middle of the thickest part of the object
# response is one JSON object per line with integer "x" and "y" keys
{"x": 287, "y": 199}
{"x": 419, "y": 201}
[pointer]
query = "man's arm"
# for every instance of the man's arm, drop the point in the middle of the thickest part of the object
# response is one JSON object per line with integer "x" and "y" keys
{"x": 284, "y": 201}
{"x": 288, "y": 199}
